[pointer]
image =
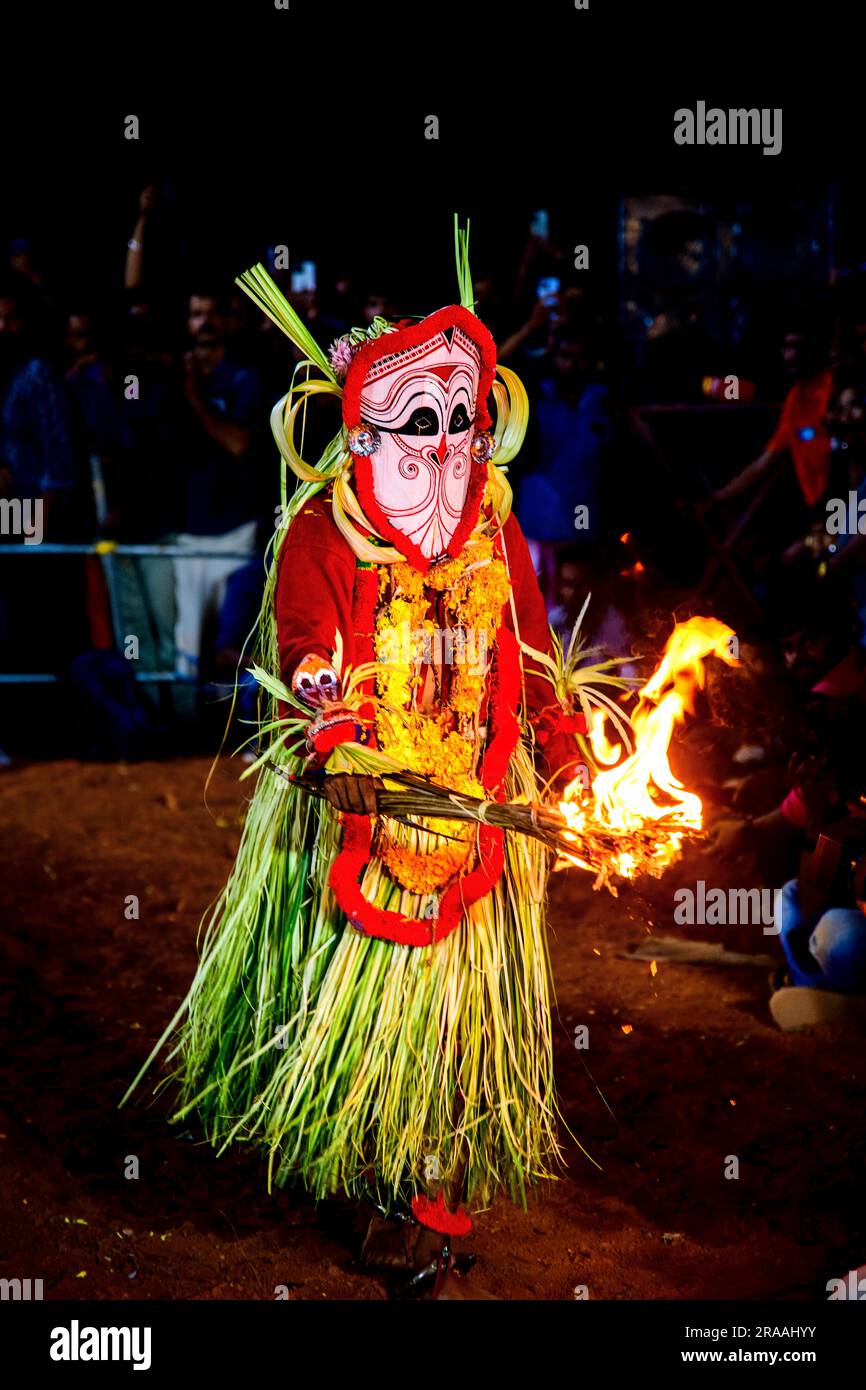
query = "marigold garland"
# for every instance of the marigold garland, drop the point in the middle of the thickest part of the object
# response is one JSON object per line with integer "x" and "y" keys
{"x": 424, "y": 873}
{"x": 474, "y": 587}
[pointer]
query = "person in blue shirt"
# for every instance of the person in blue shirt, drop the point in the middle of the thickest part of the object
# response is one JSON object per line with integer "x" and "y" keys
{"x": 36, "y": 452}
{"x": 560, "y": 500}
{"x": 37, "y": 470}
{"x": 223, "y": 401}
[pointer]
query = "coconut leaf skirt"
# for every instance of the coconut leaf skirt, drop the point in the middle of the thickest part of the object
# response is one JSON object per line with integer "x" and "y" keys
{"x": 360, "y": 1066}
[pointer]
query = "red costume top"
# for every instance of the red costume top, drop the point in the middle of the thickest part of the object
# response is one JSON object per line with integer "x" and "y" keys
{"x": 802, "y": 413}
{"x": 317, "y": 584}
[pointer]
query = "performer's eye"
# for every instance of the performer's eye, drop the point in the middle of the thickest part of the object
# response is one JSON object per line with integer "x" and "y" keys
{"x": 326, "y": 683}
{"x": 422, "y": 421}
{"x": 459, "y": 421}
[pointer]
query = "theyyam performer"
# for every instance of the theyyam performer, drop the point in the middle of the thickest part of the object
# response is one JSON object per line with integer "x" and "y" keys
{"x": 372, "y": 1002}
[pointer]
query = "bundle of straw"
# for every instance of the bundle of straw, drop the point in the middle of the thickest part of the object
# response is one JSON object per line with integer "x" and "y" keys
{"x": 594, "y": 847}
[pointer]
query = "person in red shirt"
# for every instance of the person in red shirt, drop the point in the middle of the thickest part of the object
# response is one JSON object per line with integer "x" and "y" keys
{"x": 800, "y": 431}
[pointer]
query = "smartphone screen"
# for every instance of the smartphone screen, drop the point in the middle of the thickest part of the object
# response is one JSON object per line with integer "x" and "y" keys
{"x": 304, "y": 278}
{"x": 548, "y": 290}
{"x": 540, "y": 224}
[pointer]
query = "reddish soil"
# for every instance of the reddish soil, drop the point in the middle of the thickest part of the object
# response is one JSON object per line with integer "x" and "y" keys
{"x": 684, "y": 1068}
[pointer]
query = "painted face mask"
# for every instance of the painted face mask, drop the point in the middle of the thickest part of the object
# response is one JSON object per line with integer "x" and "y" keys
{"x": 417, "y": 399}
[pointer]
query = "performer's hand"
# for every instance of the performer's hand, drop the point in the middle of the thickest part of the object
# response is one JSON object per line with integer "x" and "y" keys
{"x": 350, "y": 793}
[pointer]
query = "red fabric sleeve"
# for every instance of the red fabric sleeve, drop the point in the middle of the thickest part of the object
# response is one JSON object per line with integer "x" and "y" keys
{"x": 534, "y": 628}
{"x": 315, "y": 581}
{"x": 559, "y": 755}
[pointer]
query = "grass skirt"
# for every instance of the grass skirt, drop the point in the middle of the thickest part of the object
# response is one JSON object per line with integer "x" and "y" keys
{"x": 358, "y": 1065}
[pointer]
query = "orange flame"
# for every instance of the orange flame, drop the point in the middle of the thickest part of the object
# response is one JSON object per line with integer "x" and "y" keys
{"x": 641, "y": 794}
{"x": 602, "y": 749}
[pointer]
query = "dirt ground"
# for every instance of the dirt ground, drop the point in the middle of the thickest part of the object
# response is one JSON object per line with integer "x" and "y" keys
{"x": 684, "y": 1069}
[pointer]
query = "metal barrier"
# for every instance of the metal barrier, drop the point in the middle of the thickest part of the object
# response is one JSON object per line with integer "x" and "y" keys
{"x": 118, "y": 548}
{"x": 107, "y": 550}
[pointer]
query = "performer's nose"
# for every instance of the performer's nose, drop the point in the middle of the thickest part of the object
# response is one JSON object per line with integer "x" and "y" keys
{"x": 440, "y": 451}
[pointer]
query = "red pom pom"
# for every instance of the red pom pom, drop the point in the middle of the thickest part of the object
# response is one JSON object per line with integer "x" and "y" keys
{"x": 327, "y": 737}
{"x": 436, "y": 1216}
{"x": 553, "y": 720}
{"x": 573, "y": 723}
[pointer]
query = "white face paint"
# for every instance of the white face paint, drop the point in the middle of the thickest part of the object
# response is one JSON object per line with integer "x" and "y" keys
{"x": 422, "y": 402}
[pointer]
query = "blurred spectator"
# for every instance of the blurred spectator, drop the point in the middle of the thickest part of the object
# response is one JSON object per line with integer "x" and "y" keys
{"x": 36, "y": 454}
{"x": 25, "y": 278}
{"x": 378, "y": 304}
{"x": 531, "y": 339}
{"x": 340, "y": 299}
{"x": 572, "y": 583}
{"x": 134, "y": 272}
{"x": 322, "y": 326}
{"x": 193, "y": 480}
{"x": 242, "y": 335}
{"x": 24, "y": 263}
{"x": 488, "y": 305}
{"x": 581, "y": 572}
{"x": 99, "y": 410}
{"x": 824, "y": 950}
{"x": 560, "y": 497}
{"x": 800, "y": 431}
{"x": 544, "y": 258}
{"x": 37, "y": 467}
{"x": 145, "y": 490}
{"x": 223, "y": 494}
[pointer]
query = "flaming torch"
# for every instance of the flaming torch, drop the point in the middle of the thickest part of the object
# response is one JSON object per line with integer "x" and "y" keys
{"x": 634, "y": 815}
{"x": 639, "y": 801}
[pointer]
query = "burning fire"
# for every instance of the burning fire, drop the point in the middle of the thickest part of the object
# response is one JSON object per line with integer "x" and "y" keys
{"x": 638, "y": 804}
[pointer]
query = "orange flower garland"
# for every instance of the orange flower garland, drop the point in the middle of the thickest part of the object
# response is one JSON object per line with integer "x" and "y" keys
{"x": 475, "y": 586}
